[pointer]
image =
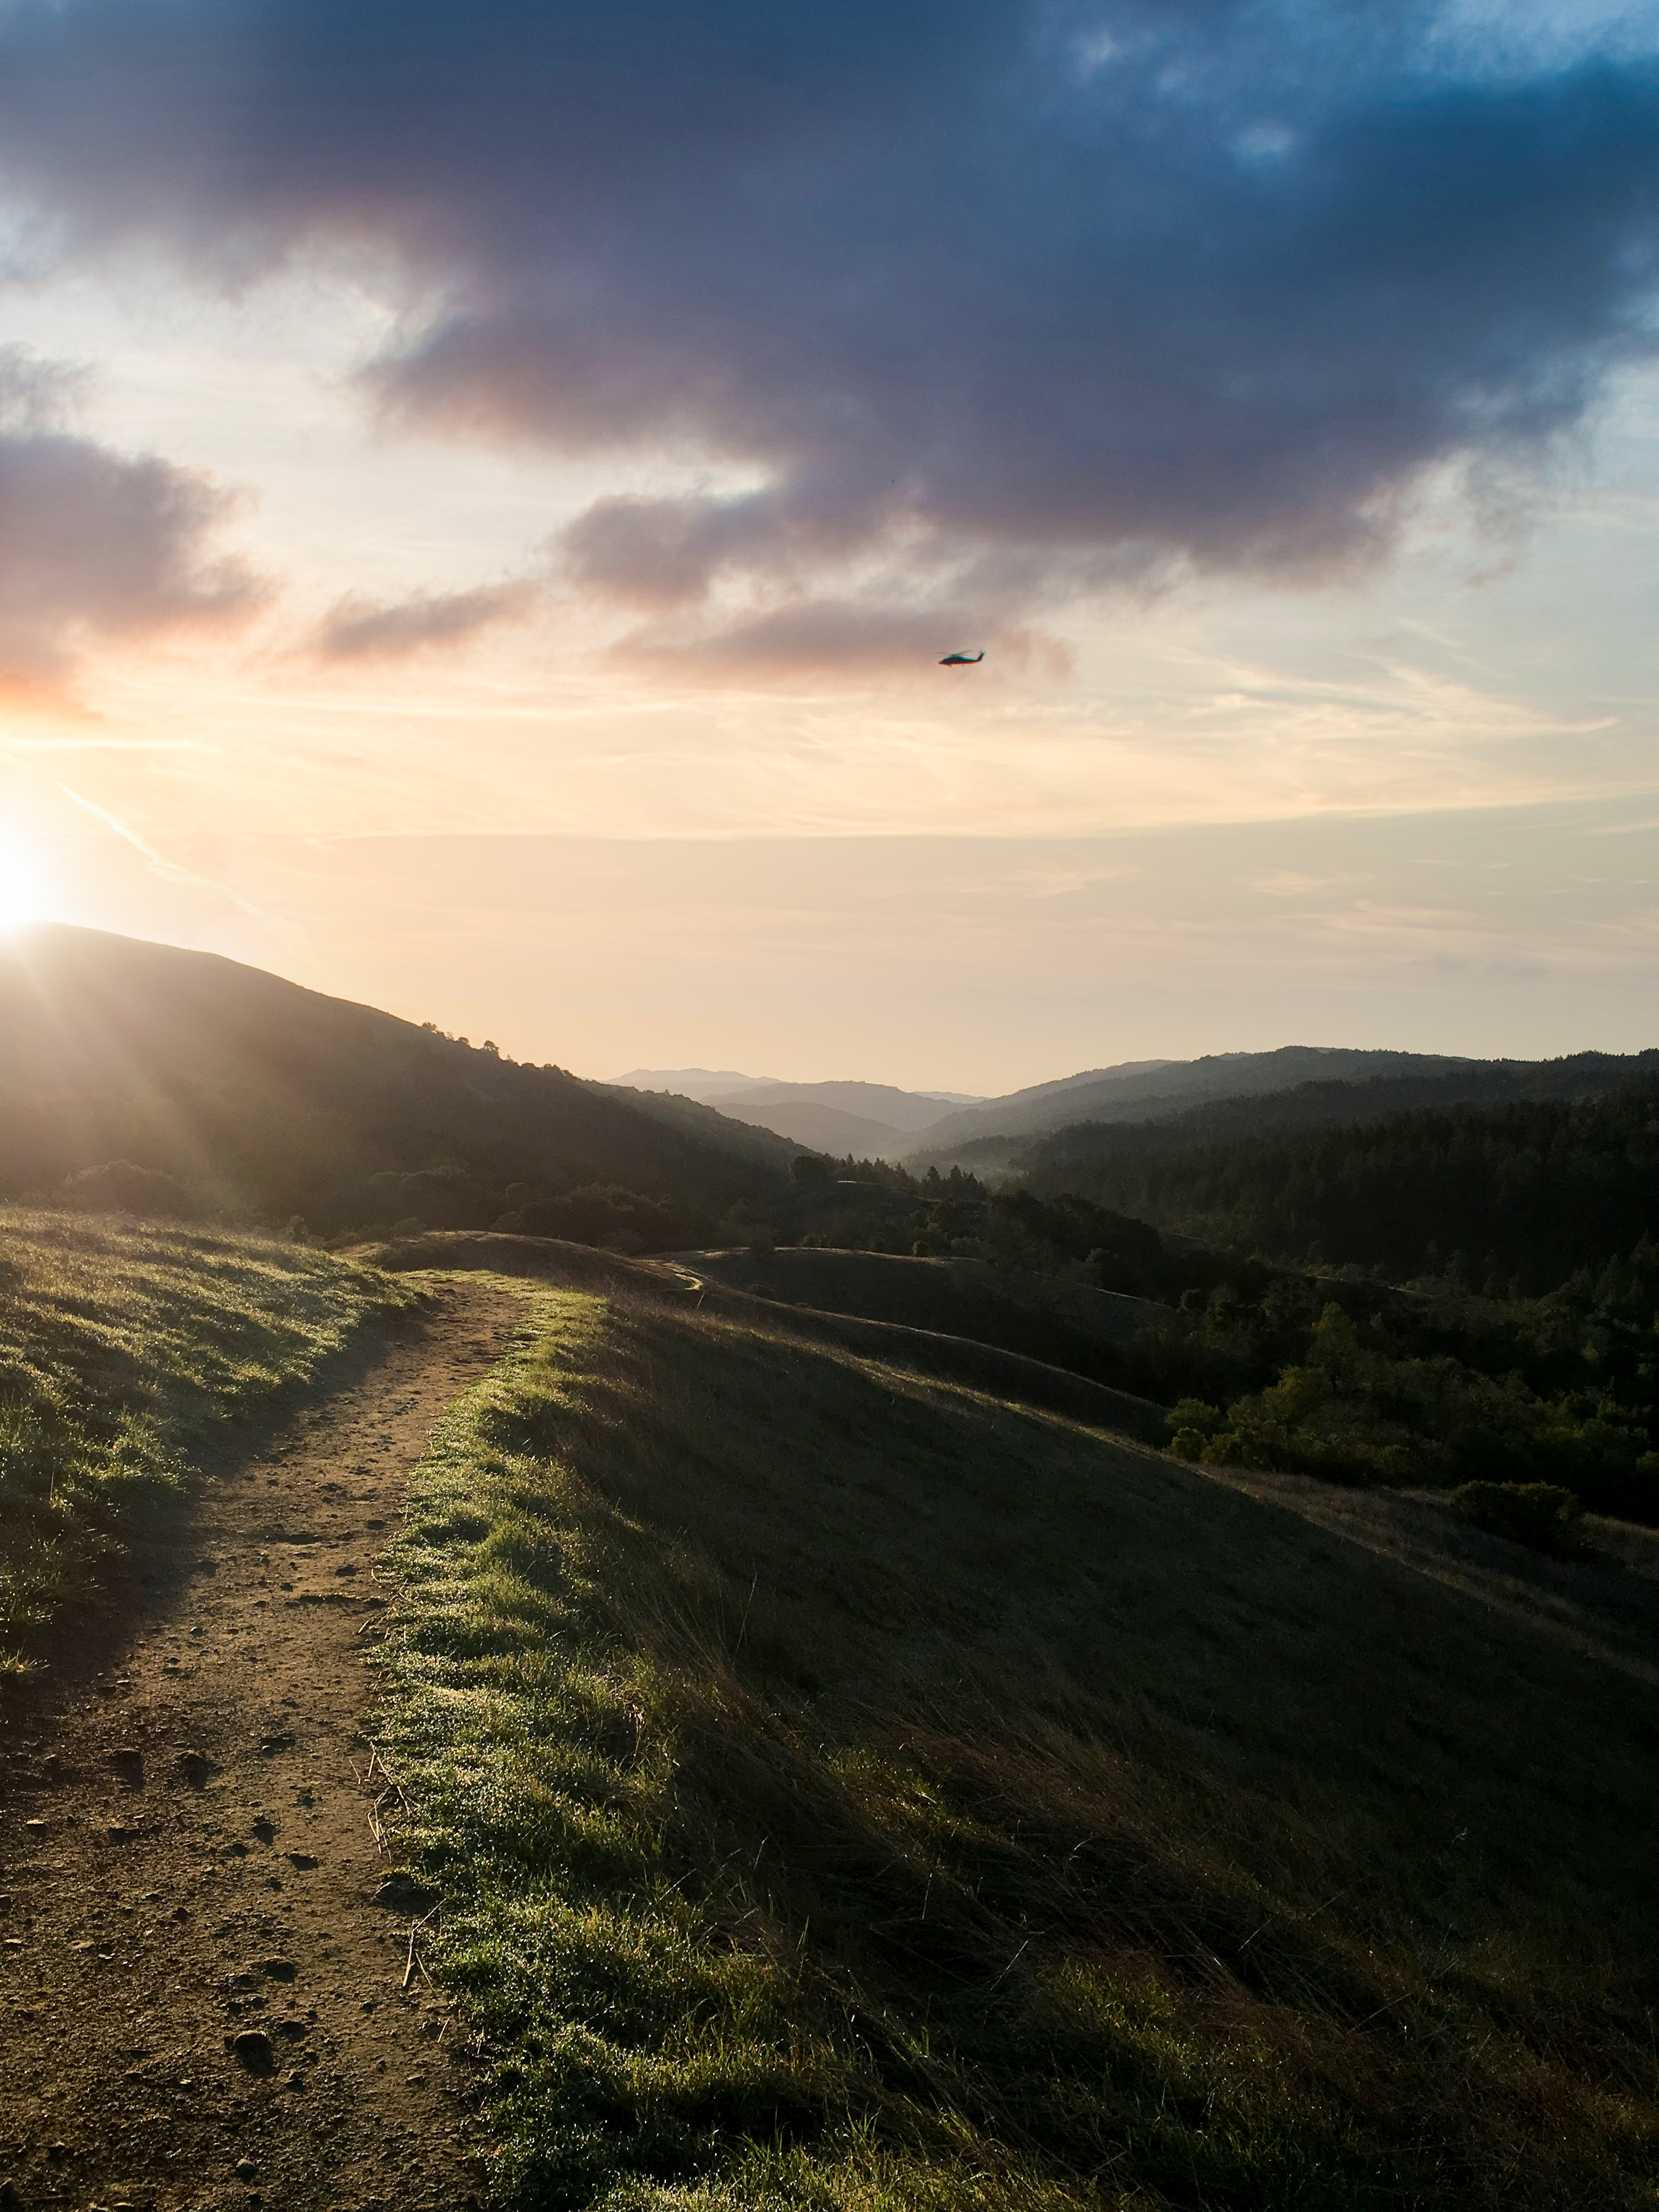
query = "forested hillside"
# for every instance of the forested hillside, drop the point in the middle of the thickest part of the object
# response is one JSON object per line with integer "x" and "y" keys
{"x": 139, "y": 1075}
{"x": 1517, "y": 1196}
{"x": 1244, "y": 1094}
{"x": 1138, "y": 1089}
{"x": 1330, "y": 1322}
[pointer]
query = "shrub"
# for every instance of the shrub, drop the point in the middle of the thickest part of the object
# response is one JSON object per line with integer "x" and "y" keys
{"x": 121, "y": 1186}
{"x": 1535, "y": 1513}
{"x": 1191, "y": 1425}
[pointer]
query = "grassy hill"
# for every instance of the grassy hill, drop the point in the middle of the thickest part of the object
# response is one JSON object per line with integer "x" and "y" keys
{"x": 262, "y": 1099}
{"x": 1044, "y": 1316}
{"x": 853, "y": 1790}
{"x": 123, "y": 1349}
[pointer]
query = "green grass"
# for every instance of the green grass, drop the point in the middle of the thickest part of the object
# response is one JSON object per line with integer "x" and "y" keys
{"x": 123, "y": 1347}
{"x": 849, "y": 1791}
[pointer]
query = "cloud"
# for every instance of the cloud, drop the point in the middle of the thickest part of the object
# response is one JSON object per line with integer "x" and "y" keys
{"x": 1098, "y": 289}
{"x": 360, "y": 629}
{"x": 95, "y": 545}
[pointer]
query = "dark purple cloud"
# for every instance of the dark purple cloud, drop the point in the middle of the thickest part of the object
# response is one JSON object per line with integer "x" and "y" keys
{"x": 93, "y": 544}
{"x": 1078, "y": 289}
{"x": 360, "y": 629}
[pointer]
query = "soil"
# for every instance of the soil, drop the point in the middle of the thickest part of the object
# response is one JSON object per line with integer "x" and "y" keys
{"x": 210, "y": 1995}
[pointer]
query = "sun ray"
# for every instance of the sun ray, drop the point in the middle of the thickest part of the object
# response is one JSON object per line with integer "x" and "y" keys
{"x": 22, "y": 884}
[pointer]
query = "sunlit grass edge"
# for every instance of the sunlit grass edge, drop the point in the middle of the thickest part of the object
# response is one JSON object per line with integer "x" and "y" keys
{"x": 125, "y": 1346}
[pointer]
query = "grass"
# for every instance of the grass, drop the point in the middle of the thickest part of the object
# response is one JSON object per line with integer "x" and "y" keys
{"x": 123, "y": 1347}
{"x": 850, "y": 1791}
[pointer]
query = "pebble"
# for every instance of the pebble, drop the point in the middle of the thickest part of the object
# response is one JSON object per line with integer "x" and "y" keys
{"x": 255, "y": 2050}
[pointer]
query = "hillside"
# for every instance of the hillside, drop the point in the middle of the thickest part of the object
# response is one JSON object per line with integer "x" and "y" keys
{"x": 848, "y": 1120}
{"x": 822, "y": 1128}
{"x": 125, "y": 1350}
{"x": 1045, "y": 1316}
{"x": 702, "y": 1083}
{"x": 849, "y": 1789}
{"x": 261, "y": 1098}
{"x": 1533, "y": 1189}
{"x": 1140, "y": 1089}
{"x": 906, "y": 1111}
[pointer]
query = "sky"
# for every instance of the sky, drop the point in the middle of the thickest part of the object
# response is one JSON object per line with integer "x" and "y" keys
{"x": 485, "y": 492}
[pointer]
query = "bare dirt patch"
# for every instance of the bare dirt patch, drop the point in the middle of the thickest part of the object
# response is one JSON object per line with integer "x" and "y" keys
{"x": 206, "y": 1994}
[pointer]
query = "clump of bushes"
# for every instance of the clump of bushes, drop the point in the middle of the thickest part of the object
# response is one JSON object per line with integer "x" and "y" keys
{"x": 121, "y": 1186}
{"x": 1536, "y": 1513}
{"x": 1353, "y": 1410}
{"x": 612, "y": 1217}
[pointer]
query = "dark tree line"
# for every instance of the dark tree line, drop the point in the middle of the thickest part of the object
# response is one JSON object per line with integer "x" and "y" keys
{"x": 1513, "y": 1198}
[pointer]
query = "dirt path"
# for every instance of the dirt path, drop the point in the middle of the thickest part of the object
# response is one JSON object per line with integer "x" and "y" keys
{"x": 186, "y": 1855}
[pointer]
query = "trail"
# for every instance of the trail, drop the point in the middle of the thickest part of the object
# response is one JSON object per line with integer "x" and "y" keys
{"x": 187, "y": 1851}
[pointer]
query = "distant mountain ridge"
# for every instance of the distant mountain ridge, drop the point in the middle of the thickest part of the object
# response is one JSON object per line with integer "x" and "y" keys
{"x": 1295, "y": 1085}
{"x": 870, "y": 1121}
{"x": 1144, "y": 1089}
{"x": 907, "y": 1110}
{"x": 702, "y": 1083}
{"x": 1121, "y": 1162}
{"x": 820, "y": 1128}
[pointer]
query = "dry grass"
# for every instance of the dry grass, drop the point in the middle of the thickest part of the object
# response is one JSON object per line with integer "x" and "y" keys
{"x": 122, "y": 1346}
{"x": 852, "y": 1791}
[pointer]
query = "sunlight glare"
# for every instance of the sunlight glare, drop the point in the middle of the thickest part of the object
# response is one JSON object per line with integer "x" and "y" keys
{"x": 22, "y": 887}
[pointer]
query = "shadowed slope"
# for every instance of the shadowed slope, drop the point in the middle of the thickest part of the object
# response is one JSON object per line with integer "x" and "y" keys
{"x": 255, "y": 1093}
{"x": 852, "y": 1791}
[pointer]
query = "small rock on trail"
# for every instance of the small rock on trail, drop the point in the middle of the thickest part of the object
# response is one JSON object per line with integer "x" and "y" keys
{"x": 203, "y": 1982}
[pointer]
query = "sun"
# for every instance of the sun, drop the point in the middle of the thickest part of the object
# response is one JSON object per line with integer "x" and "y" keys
{"x": 22, "y": 887}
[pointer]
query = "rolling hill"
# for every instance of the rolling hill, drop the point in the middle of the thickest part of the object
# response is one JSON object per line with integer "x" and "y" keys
{"x": 1141, "y": 1089}
{"x": 822, "y": 1128}
{"x": 848, "y": 1786}
{"x": 262, "y": 1099}
{"x": 862, "y": 1121}
{"x": 702, "y": 1083}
